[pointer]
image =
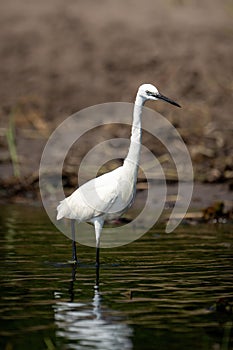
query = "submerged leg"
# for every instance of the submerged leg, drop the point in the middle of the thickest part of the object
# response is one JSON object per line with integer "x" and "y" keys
{"x": 74, "y": 253}
{"x": 98, "y": 228}
{"x": 97, "y": 257}
{"x": 71, "y": 289}
{"x": 97, "y": 275}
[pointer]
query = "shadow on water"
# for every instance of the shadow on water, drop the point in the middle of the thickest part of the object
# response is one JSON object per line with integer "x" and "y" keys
{"x": 161, "y": 292}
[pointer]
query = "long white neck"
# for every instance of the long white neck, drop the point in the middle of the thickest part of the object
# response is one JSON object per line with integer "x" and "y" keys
{"x": 132, "y": 159}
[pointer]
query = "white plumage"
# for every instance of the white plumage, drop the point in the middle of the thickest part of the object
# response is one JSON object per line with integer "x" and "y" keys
{"x": 105, "y": 196}
{"x": 111, "y": 194}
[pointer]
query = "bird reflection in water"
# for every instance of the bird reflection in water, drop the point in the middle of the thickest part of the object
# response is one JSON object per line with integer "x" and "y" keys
{"x": 82, "y": 325}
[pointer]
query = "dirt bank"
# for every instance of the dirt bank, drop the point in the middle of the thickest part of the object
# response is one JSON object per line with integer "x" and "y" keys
{"x": 58, "y": 57}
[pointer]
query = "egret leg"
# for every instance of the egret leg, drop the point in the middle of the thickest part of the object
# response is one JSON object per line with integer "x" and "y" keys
{"x": 98, "y": 228}
{"x": 97, "y": 278}
{"x": 71, "y": 289}
{"x": 74, "y": 252}
{"x": 97, "y": 264}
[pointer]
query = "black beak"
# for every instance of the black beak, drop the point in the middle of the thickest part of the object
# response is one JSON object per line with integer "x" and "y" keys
{"x": 164, "y": 98}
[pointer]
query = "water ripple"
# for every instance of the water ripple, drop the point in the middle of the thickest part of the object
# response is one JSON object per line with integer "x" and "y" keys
{"x": 181, "y": 282}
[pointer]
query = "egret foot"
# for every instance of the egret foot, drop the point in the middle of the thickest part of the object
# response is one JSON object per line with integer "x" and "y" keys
{"x": 73, "y": 262}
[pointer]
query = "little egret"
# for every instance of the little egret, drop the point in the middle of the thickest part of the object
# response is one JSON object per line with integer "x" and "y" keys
{"x": 110, "y": 194}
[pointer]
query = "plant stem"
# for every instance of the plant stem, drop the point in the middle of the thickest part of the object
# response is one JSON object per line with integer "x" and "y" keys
{"x": 10, "y": 135}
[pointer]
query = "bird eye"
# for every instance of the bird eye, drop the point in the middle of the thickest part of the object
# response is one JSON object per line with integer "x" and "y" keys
{"x": 149, "y": 93}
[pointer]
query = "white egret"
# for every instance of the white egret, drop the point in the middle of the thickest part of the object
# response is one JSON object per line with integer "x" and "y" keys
{"x": 110, "y": 194}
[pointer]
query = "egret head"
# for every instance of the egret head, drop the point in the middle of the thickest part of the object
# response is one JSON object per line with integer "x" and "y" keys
{"x": 150, "y": 92}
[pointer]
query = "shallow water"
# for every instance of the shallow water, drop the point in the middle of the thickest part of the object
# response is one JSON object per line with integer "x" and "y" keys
{"x": 159, "y": 292}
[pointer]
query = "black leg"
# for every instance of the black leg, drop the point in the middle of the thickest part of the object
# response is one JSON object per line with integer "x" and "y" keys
{"x": 74, "y": 253}
{"x": 97, "y": 264}
{"x": 71, "y": 289}
{"x": 97, "y": 278}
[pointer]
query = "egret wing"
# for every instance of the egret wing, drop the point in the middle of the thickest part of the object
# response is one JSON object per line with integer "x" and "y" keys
{"x": 94, "y": 198}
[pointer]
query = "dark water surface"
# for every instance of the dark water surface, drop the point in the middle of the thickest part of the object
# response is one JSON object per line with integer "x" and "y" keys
{"x": 161, "y": 292}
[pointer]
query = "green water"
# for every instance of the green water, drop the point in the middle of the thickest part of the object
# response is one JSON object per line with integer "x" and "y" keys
{"x": 159, "y": 292}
